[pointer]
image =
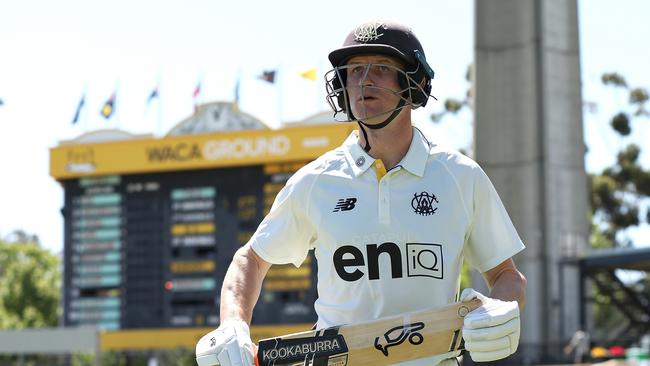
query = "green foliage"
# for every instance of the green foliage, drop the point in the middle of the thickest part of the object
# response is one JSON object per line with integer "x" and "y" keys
{"x": 614, "y": 213}
{"x": 617, "y": 192}
{"x": 453, "y": 105}
{"x": 615, "y": 198}
{"x": 606, "y": 315}
{"x": 621, "y": 124}
{"x": 598, "y": 240}
{"x": 177, "y": 357}
{"x": 107, "y": 358}
{"x": 31, "y": 286}
{"x": 602, "y": 192}
{"x": 638, "y": 96}
{"x": 614, "y": 79}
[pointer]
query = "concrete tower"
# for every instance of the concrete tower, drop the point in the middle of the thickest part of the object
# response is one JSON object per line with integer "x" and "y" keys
{"x": 529, "y": 140}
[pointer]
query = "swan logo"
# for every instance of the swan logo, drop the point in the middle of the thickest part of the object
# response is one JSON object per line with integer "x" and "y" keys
{"x": 368, "y": 32}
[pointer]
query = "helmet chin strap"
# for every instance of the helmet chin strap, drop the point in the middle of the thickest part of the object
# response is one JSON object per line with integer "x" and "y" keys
{"x": 388, "y": 120}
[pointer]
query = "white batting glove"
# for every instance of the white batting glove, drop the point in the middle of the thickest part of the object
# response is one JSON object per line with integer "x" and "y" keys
{"x": 491, "y": 331}
{"x": 228, "y": 345}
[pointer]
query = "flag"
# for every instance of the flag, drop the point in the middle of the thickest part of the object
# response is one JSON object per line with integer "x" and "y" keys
{"x": 82, "y": 101}
{"x": 197, "y": 90}
{"x": 309, "y": 74}
{"x": 237, "y": 91}
{"x": 268, "y": 76}
{"x": 195, "y": 94}
{"x": 154, "y": 94}
{"x": 109, "y": 107}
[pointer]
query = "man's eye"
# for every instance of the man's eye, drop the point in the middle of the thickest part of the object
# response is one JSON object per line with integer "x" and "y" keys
{"x": 383, "y": 68}
{"x": 357, "y": 69}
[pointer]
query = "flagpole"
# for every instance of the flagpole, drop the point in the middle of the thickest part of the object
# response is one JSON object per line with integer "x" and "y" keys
{"x": 237, "y": 90}
{"x": 84, "y": 123}
{"x": 280, "y": 85}
{"x": 116, "y": 110}
{"x": 159, "y": 97}
{"x": 159, "y": 127}
{"x": 196, "y": 95}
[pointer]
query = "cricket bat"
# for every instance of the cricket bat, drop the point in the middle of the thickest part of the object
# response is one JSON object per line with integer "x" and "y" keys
{"x": 382, "y": 341}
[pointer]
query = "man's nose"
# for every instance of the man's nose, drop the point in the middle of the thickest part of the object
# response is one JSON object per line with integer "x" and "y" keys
{"x": 367, "y": 79}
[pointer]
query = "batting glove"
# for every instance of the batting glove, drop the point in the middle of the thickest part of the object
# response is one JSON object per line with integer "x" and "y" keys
{"x": 491, "y": 331}
{"x": 228, "y": 345}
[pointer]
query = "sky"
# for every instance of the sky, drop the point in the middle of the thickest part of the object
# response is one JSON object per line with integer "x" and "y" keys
{"x": 53, "y": 52}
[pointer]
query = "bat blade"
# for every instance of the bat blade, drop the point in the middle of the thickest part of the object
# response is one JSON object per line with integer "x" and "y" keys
{"x": 382, "y": 341}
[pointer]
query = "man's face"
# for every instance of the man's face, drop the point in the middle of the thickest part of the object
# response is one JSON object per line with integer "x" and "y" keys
{"x": 372, "y": 86}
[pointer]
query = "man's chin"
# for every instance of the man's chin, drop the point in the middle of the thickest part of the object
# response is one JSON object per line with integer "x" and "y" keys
{"x": 373, "y": 118}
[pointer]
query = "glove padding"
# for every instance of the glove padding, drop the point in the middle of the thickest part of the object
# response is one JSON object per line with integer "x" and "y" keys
{"x": 491, "y": 331}
{"x": 228, "y": 345}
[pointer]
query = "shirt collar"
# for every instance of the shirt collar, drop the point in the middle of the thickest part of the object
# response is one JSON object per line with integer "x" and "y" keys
{"x": 358, "y": 159}
{"x": 414, "y": 161}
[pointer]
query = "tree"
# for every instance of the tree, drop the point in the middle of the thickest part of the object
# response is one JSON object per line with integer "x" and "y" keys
{"x": 618, "y": 197}
{"x": 22, "y": 237}
{"x": 30, "y": 281}
{"x": 618, "y": 193}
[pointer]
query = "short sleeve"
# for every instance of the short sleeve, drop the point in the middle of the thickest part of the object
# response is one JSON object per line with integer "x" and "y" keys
{"x": 286, "y": 233}
{"x": 492, "y": 238}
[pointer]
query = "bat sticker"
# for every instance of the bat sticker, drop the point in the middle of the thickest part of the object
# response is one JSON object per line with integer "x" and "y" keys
{"x": 315, "y": 350}
{"x": 397, "y": 335}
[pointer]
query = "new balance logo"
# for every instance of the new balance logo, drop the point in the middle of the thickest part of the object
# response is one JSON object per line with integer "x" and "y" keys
{"x": 345, "y": 204}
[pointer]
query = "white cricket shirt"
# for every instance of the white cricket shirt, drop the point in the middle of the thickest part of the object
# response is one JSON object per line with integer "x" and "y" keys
{"x": 387, "y": 242}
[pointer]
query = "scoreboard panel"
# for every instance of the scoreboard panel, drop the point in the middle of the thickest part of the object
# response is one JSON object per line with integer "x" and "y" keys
{"x": 151, "y": 250}
{"x": 151, "y": 225}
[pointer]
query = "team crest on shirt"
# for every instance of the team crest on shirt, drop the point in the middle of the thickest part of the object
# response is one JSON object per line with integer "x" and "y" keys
{"x": 423, "y": 203}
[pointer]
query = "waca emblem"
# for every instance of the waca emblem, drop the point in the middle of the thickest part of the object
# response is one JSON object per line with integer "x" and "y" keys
{"x": 422, "y": 203}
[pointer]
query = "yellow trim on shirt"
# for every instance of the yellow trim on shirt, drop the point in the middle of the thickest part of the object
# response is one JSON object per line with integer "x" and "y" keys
{"x": 380, "y": 168}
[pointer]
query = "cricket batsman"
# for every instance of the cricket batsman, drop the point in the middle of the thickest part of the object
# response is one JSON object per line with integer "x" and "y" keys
{"x": 391, "y": 216}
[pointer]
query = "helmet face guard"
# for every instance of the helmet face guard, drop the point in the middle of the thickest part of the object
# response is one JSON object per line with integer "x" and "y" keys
{"x": 380, "y": 38}
{"x": 410, "y": 93}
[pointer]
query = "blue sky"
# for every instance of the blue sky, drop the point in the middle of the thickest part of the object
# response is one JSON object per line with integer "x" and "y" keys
{"x": 53, "y": 52}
